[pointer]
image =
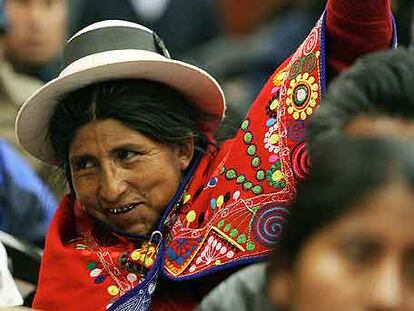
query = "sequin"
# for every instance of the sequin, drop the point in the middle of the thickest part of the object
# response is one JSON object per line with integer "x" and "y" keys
{"x": 113, "y": 290}
{"x": 95, "y": 272}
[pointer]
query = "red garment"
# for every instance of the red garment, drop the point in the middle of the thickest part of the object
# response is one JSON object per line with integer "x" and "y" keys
{"x": 207, "y": 232}
{"x": 355, "y": 28}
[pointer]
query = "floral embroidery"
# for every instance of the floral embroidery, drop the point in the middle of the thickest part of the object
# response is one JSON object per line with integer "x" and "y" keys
{"x": 275, "y": 176}
{"x": 279, "y": 78}
{"x": 302, "y": 96}
{"x": 120, "y": 269}
{"x": 181, "y": 250}
{"x": 271, "y": 139}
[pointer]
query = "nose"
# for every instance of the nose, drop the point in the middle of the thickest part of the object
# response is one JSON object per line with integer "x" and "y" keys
{"x": 37, "y": 14}
{"x": 112, "y": 184}
{"x": 386, "y": 287}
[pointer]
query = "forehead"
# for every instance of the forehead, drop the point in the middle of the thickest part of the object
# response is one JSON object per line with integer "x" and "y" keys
{"x": 30, "y": 3}
{"x": 106, "y": 134}
{"x": 387, "y": 212}
{"x": 371, "y": 126}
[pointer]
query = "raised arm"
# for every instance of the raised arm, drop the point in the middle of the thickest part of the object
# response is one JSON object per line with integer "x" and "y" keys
{"x": 354, "y": 28}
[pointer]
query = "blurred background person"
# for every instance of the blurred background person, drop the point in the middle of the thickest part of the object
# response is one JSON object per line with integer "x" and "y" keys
{"x": 349, "y": 242}
{"x": 15, "y": 87}
{"x": 26, "y": 202}
{"x": 372, "y": 98}
{"x": 35, "y": 36}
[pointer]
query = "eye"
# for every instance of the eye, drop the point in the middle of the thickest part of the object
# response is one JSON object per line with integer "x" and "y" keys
{"x": 50, "y": 3}
{"x": 125, "y": 154}
{"x": 83, "y": 164}
{"x": 360, "y": 252}
{"x": 23, "y": 2}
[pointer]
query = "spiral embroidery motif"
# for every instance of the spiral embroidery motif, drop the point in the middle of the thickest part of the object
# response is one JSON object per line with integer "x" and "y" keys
{"x": 300, "y": 161}
{"x": 268, "y": 224}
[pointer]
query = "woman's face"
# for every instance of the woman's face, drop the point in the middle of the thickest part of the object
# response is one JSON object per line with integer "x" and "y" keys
{"x": 363, "y": 261}
{"x": 123, "y": 177}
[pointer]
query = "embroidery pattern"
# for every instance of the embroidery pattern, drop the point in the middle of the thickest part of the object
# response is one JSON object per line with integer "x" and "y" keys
{"x": 118, "y": 269}
{"x": 302, "y": 96}
{"x": 267, "y": 224}
{"x": 140, "y": 301}
{"x": 300, "y": 161}
{"x": 247, "y": 194}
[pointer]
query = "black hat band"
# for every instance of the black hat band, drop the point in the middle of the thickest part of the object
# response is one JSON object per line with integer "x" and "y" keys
{"x": 112, "y": 38}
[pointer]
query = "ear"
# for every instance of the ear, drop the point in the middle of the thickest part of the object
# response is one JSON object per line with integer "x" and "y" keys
{"x": 185, "y": 152}
{"x": 279, "y": 288}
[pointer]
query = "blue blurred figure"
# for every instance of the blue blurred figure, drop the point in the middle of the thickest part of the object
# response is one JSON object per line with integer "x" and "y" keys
{"x": 26, "y": 203}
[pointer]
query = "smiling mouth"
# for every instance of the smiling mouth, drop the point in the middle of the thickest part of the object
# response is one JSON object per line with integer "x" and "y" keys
{"x": 123, "y": 209}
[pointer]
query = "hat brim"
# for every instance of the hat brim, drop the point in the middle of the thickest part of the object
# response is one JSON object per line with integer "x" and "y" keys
{"x": 197, "y": 85}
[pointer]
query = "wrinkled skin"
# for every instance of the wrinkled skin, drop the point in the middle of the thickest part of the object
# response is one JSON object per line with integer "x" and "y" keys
{"x": 114, "y": 167}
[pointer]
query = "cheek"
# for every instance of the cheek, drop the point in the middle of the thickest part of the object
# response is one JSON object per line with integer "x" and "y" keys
{"x": 57, "y": 19}
{"x": 162, "y": 184}
{"x": 323, "y": 281}
{"x": 86, "y": 191}
{"x": 18, "y": 17}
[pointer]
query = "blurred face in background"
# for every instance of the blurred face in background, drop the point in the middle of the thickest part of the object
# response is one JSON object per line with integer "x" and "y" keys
{"x": 380, "y": 126}
{"x": 36, "y": 31}
{"x": 362, "y": 261}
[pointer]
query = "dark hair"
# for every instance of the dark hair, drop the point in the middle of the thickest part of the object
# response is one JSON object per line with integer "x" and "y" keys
{"x": 380, "y": 84}
{"x": 151, "y": 108}
{"x": 343, "y": 174}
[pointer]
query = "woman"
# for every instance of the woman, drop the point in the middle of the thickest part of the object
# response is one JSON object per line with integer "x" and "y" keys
{"x": 349, "y": 243}
{"x": 151, "y": 193}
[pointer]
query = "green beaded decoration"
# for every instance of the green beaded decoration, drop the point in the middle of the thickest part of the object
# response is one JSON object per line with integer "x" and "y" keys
{"x": 260, "y": 175}
{"x": 251, "y": 150}
{"x": 245, "y": 124}
{"x": 247, "y": 185}
{"x": 231, "y": 174}
{"x": 241, "y": 239}
{"x": 240, "y": 179}
{"x": 233, "y": 233}
{"x": 248, "y": 137}
{"x": 257, "y": 189}
{"x": 255, "y": 162}
{"x": 220, "y": 223}
{"x": 250, "y": 246}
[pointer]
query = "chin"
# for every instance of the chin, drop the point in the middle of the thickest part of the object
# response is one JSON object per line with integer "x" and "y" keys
{"x": 137, "y": 229}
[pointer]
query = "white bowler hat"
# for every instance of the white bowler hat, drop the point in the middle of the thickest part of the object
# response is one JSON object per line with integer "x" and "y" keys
{"x": 110, "y": 50}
